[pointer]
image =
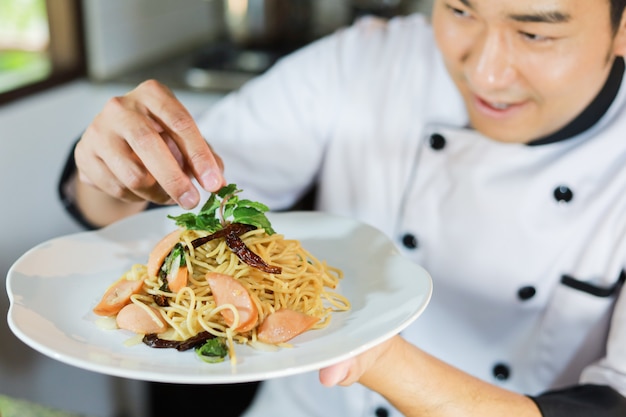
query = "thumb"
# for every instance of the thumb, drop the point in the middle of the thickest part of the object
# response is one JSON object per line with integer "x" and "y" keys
{"x": 335, "y": 374}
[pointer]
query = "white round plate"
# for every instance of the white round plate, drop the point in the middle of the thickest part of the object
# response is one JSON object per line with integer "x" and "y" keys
{"x": 53, "y": 287}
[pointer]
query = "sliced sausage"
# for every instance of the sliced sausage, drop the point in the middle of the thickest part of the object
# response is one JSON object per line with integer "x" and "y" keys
{"x": 161, "y": 250}
{"x": 117, "y": 296}
{"x": 227, "y": 290}
{"x": 283, "y": 325}
{"x": 134, "y": 318}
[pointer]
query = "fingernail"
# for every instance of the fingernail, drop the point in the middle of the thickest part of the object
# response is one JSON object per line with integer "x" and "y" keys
{"x": 188, "y": 200}
{"x": 211, "y": 181}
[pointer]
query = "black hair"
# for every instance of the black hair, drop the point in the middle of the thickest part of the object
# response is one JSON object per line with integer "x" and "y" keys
{"x": 617, "y": 9}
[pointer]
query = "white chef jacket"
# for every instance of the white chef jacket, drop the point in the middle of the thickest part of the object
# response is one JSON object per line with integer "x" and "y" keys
{"x": 525, "y": 244}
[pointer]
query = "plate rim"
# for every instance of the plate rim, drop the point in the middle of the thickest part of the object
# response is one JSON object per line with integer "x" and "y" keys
{"x": 208, "y": 378}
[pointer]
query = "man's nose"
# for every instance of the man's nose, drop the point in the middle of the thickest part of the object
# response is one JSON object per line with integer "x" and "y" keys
{"x": 491, "y": 63}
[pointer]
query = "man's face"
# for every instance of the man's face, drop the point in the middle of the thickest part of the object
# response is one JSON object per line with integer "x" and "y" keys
{"x": 525, "y": 68}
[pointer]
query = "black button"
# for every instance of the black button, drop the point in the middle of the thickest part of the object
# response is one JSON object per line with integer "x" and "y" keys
{"x": 526, "y": 293}
{"x": 409, "y": 241}
{"x": 563, "y": 194}
{"x": 381, "y": 412}
{"x": 501, "y": 371}
{"x": 437, "y": 141}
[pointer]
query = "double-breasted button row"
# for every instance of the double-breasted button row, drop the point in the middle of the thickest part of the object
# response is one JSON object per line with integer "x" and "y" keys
{"x": 562, "y": 193}
{"x": 525, "y": 293}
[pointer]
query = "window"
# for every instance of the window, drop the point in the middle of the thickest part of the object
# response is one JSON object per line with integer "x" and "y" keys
{"x": 41, "y": 45}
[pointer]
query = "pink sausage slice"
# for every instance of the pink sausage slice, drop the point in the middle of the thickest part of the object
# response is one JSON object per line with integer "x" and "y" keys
{"x": 160, "y": 252}
{"x": 284, "y": 325}
{"x": 117, "y": 296}
{"x": 227, "y": 290}
{"x": 137, "y": 320}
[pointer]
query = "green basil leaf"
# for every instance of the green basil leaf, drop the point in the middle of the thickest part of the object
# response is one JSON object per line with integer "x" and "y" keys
{"x": 254, "y": 217}
{"x": 226, "y": 206}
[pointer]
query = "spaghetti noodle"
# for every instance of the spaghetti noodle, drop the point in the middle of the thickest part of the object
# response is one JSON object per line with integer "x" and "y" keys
{"x": 305, "y": 285}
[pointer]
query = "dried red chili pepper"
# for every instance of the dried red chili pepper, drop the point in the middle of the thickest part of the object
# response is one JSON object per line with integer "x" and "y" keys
{"x": 231, "y": 234}
{"x": 246, "y": 255}
{"x": 237, "y": 228}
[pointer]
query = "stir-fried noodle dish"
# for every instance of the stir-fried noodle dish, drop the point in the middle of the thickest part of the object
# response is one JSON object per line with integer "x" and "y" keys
{"x": 224, "y": 276}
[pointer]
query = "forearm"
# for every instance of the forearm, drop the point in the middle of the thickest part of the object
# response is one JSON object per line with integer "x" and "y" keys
{"x": 100, "y": 209}
{"x": 419, "y": 384}
{"x": 88, "y": 205}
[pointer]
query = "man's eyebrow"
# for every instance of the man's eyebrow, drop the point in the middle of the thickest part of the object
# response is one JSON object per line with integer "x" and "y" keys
{"x": 550, "y": 16}
{"x": 547, "y": 16}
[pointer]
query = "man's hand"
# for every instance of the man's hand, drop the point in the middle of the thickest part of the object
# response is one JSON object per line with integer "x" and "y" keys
{"x": 418, "y": 384}
{"x": 352, "y": 370}
{"x": 145, "y": 146}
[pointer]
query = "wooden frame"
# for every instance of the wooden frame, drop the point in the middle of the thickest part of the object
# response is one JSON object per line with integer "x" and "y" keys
{"x": 67, "y": 48}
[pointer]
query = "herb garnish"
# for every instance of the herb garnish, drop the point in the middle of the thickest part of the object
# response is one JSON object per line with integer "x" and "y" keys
{"x": 225, "y": 215}
{"x": 213, "y": 351}
{"x": 225, "y": 207}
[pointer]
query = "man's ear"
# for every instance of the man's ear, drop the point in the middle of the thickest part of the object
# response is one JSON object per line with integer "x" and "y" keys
{"x": 619, "y": 42}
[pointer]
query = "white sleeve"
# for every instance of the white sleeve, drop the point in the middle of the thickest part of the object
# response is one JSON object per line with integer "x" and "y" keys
{"x": 271, "y": 133}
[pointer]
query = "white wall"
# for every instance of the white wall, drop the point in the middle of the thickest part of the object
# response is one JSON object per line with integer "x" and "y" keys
{"x": 35, "y": 136}
{"x": 125, "y": 34}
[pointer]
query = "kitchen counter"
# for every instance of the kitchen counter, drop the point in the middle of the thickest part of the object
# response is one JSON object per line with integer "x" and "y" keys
{"x": 37, "y": 134}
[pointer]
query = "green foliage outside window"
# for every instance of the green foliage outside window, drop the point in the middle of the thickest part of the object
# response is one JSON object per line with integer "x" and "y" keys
{"x": 24, "y": 39}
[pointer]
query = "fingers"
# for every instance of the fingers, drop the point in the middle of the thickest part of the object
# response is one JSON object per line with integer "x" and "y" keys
{"x": 157, "y": 160}
{"x": 123, "y": 176}
{"x": 175, "y": 119}
{"x": 146, "y": 146}
{"x": 351, "y": 370}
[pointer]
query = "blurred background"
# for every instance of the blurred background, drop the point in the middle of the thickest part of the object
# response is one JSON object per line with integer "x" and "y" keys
{"x": 60, "y": 60}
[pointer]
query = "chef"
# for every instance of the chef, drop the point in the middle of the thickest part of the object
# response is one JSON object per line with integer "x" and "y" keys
{"x": 489, "y": 144}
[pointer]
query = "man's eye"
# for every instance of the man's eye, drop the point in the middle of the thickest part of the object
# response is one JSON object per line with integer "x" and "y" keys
{"x": 458, "y": 12}
{"x": 534, "y": 37}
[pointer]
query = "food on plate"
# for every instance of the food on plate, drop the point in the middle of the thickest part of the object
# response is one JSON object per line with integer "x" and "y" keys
{"x": 224, "y": 276}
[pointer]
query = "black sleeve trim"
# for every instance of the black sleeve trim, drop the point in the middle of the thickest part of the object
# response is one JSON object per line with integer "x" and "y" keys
{"x": 69, "y": 202}
{"x": 582, "y": 401}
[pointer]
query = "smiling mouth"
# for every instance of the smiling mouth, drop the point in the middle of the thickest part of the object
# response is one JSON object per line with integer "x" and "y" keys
{"x": 497, "y": 107}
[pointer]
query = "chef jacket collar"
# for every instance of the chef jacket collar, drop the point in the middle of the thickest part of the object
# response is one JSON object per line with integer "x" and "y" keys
{"x": 593, "y": 112}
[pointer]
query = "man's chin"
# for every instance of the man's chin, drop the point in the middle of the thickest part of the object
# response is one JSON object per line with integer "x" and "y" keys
{"x": 504, "y": 134}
